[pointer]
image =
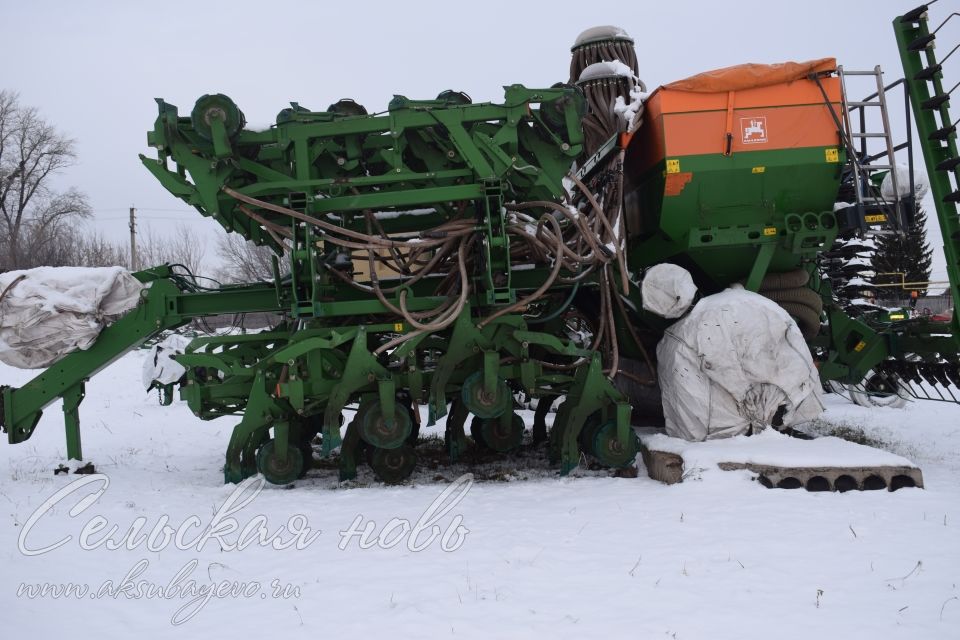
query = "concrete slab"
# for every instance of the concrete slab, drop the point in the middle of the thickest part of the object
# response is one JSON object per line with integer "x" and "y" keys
{"x": 826, "y": 464}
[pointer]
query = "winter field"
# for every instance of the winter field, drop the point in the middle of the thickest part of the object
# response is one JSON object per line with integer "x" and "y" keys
{"x": 520, "y": 553}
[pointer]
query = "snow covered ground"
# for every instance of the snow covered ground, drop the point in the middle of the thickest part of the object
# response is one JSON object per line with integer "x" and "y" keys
{"x": 717, "y": 556}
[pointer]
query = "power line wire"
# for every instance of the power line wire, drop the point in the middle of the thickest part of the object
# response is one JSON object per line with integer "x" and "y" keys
{"x": 99, "y": 218}
{"x": 146, "y": 209}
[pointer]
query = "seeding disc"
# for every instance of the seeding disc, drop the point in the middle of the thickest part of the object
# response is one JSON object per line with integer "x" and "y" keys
{"x": 374, "y": 429}
{"x": 393, "y": 465}
{"x": 500, "y": 434}
{"x": 483, "y": 404}
{"x": 275, "y": 471}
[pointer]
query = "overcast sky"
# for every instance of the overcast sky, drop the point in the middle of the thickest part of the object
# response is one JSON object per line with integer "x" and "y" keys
{"x": 94, "y": 68}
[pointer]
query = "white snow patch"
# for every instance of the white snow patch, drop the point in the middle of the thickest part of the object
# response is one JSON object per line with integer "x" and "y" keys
{"x": 770, "y": 447}
{"x": 720, "y": 557}
{"x": 612, "y": 68}
{"x": 602, "y": 32}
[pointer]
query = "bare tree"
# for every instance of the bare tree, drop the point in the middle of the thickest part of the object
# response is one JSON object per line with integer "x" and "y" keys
{"x": 80, "y": 247}
{"x": 94, "y": 250}
{"x": 33, "y": 213}
{"x": 183, "y": 247}
{"x": 244, "y": 261}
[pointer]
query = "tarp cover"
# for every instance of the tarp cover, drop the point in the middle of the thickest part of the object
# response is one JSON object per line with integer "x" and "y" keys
{"x": 732, "y": 365}
{"x": 159, "y": 365}
{"x": 667, "y": 290}
{"x": 751, "y": 76}
{"x": 48, "y": 312}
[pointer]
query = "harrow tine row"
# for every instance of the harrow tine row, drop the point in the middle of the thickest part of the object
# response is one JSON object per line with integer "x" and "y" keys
{"x": 923, "y": 380}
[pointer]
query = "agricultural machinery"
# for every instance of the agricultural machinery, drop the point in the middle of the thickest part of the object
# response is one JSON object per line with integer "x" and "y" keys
{"x": 462, "y": 256}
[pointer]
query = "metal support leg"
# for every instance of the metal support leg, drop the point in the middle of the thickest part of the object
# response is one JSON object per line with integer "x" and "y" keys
{"x": 624, "y": 428}
{"x": 591, "y": 392}
{"x": 387, "y": 391}
{"x": 465, "y": 342}
{"x": 540, "y": 418}
{"x": 491, "y": 371}
{"x": 760, "y": 266}
{"x": 360, "y": 370}
{"x": 349, "y": 451}
{"x": 281, "y": 437}
{"x": 166, "y": 392}
{"x": 71, "y": 419}
{"x": 247, "y": 435}
{"x": 456, "y": 439}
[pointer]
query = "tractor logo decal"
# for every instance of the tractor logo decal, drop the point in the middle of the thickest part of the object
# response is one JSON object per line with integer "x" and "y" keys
{"x": 754, "y": 130}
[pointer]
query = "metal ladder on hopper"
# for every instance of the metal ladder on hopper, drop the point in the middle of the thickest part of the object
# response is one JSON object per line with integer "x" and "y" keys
{"x": 871, "y": 206}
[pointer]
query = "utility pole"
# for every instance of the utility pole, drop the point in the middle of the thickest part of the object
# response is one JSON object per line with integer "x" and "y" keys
{"x": 133, "y": 239}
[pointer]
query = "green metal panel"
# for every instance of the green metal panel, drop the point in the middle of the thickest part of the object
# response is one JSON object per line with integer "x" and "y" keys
{"x": 163, "y": 307}
{"x": 731, "y": 206}
{"x": 935, "y": 152}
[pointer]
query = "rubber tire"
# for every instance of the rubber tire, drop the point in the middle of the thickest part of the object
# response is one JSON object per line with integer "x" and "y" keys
{"x": 891, "y": 401}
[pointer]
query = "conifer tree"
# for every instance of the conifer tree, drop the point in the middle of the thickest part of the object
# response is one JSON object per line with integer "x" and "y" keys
{"x": 909, "y": 255}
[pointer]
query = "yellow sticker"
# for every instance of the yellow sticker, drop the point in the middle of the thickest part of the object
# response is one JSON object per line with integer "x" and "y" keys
{"x": 769, "y": 231}
{"x": 860, "y": 346}
{"x": 673, "y": 166}
{"x": 833, "y": 155}
{"x": 873, "y": 219}
{"x": 758, "y": 170}
{"x": 897, "y": 316}
{"x": 398, "y": 326}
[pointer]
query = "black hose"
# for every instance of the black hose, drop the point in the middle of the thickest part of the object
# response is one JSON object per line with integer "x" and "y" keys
{"x": 789, "y": 290}
{"x": 785, "y": 280}
{"x": 808, "y": 320}
{"x": 604, "y": 51}
{"x": 799, "y": 295}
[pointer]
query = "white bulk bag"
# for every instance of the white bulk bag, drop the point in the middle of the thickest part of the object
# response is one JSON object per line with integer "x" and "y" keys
{"x": 667, "y": 290}
{"x": 727, "y": 368}
{"x": 159, "y": 365}
{"x": 48, "y": 312}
